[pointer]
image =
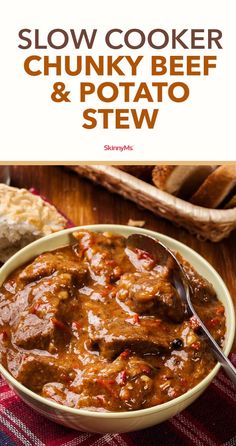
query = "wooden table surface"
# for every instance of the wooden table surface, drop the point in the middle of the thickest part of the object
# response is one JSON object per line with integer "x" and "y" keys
{"x": 86, "y": 203}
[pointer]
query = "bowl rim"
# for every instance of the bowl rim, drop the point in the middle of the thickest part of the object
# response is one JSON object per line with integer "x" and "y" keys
{"x": 141, "y": 412}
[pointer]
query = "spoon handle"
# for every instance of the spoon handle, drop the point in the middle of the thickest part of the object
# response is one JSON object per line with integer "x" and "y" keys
{"x": 228, "y": 367}
{"x": 219, "y": 355}
{"x": 226, "y": 364}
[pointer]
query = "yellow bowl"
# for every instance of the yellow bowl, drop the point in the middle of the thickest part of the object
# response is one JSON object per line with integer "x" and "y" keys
{"x": 86, "y": 420}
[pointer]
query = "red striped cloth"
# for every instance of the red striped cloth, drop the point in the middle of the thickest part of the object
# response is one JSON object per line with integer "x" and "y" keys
{"x": 210, "y": 421}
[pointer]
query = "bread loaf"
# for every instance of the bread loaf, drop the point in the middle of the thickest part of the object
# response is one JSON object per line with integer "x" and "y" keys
{"x": 24, "y": 217}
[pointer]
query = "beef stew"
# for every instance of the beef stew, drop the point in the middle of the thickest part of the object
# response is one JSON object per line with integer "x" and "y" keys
{"x": 95, "y": 325}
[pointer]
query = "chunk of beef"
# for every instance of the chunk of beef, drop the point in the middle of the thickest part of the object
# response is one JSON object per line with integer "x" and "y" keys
{"x": 13, "y": 304}
{"x": 104, "y": 240}
{"x": 203, "y": 291}
{"x": 151, "y": 293}
{"x": 33, "y": 332}
{"x": 113, "y": 335}
{"x": 46, "y": 264}
{"x": 125, "y": 381}
{"x": 104, "y": 254}
{"x": 5, "y": 310}
{"x": 38, "y": 326}
{"x": 35, "y": 371}
{"x": 59, "y": 393}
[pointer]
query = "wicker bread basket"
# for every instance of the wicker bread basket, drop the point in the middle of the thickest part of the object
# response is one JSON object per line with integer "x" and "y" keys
{"x": 211, "y": 224}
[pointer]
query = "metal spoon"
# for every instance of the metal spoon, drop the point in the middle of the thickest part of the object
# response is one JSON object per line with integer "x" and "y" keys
{"x": 161, "y": 255}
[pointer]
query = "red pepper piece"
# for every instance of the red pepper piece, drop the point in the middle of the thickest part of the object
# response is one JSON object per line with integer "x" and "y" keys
{"x": 106, "y": 290}
{"x": 77, "y": 325}
{"x": 220, "y": 310}
{"x": 213, "y": 322}
{"x": 107, "y": 384}
{"x": 124, "y": 376}
{"x": 176, "y": 393}
{"x": 143, "y": 255}
{"x": 109, "y": 287}
{"x": 83, "y": 251}
{"x": 59, "y": 324}
{"x": 136, "y": 319}
{"x": 146, "y": 369}
{"x": 194, "y": 323}
{"x": 125, "y": 354}
{"x": 184, "y": 382}
{"x": 35, "y": 307}
{"x": 104, "y": 382}
{"x": 111, "y": 262}
{"x": 196, "y": 346}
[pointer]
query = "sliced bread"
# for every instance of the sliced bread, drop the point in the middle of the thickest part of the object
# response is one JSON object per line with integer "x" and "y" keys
{"x": 180, "y": 180}
{"x": 216, "y": 187}
{"x": 24, "y": 217}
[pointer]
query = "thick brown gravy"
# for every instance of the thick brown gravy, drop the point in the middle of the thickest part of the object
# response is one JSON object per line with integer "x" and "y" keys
{"x": 95, "y": 325}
